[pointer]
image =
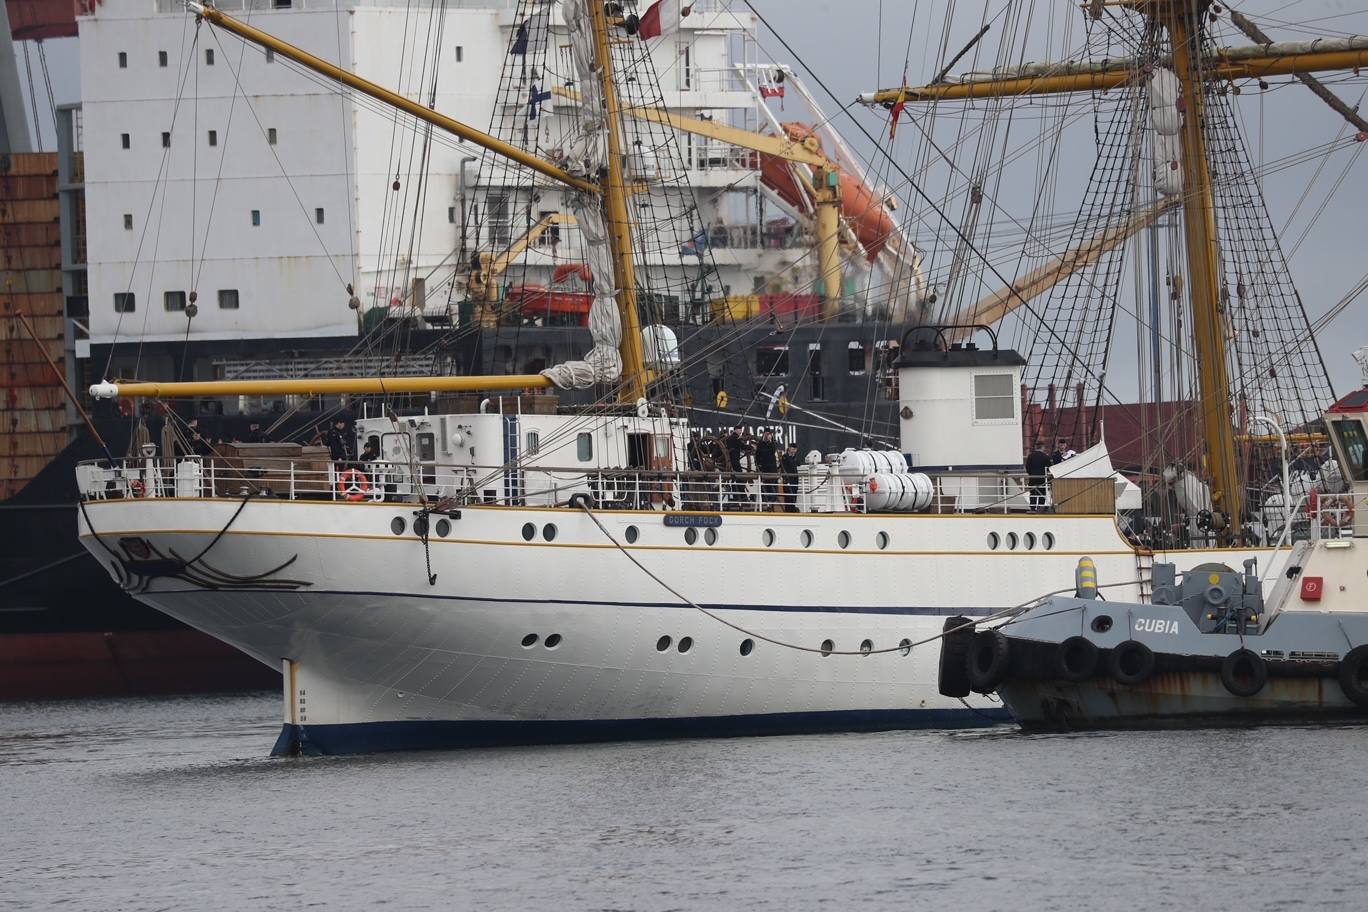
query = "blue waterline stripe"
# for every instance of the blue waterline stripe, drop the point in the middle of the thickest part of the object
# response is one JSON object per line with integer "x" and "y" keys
{"x": 816, "y": 609}
{"x": 367, "y": 737}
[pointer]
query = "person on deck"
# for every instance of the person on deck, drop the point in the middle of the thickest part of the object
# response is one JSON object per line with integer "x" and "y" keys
{"x": 767, "y": 464}
{"x": 789, "y": 463}
{"x": 338, "y": 442}
{"x": 1037, "y": 476}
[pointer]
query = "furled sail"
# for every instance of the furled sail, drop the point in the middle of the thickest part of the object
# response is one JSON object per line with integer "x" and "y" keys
{"x": 587, "y": 155}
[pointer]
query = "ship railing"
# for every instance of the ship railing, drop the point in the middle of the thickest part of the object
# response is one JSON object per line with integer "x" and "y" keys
{"x": 547, "y": 486}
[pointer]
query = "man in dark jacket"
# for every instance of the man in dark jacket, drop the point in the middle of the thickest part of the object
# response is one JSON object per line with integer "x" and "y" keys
{"x": 338, "y": 442}
{"x": 789, "y": 463}
{"x": 767, "y": 464}
{"x": 1038, "y": 476}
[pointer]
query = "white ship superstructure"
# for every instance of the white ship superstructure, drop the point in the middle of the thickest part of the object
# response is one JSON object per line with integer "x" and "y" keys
{"x": 214, "y": 168}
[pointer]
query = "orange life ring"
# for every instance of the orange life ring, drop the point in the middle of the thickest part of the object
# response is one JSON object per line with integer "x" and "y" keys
{"x": 353, "y": 484}
{"x": 137, "y": 488}
{"x": 1334, "y": 510}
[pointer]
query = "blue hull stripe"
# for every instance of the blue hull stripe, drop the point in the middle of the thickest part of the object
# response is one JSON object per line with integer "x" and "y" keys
{"x": 368, "y": 737}
{"x": 931, "y": 610}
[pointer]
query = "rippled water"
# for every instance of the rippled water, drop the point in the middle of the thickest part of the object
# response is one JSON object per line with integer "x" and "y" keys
{"x": 173, "y": 804}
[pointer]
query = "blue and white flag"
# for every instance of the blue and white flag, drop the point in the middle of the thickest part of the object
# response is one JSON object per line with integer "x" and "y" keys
{"x": 696, "y": 246}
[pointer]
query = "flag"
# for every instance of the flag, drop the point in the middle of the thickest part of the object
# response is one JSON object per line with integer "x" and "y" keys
{"x": 534, "y": 102}
{"x": 520, "y": 42}
{"x": 662, "y": 18}
{"x": 696, "y": 246}
{"x": 530, "y": 37}
{"x": 898, "y": 107}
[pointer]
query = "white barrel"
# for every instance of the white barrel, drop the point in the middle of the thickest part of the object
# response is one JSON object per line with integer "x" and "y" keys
{"x": 908, "y": 492}
{"x": 873, "y": 462}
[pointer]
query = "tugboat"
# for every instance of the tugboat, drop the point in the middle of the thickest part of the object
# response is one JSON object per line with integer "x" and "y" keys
{"x": 1209, "y": 647}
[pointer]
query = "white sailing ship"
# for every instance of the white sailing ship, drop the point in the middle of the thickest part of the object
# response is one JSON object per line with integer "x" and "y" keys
{"x": 495, "y": 574}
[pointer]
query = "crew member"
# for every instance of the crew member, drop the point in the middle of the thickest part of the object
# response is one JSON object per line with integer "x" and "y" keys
{"x": 1038, "y": 476}
{"x": 789, "y": 463}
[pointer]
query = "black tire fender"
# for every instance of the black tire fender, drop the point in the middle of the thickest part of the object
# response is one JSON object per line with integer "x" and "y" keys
{"x": 953, "y": 678}
{"x": 986, "y": 662}
{"x": 1353, "y": 676}
{"x": 1131, "y": 663}
{"x": 1244, "y": 673}
{"x": 1076, "y": 659}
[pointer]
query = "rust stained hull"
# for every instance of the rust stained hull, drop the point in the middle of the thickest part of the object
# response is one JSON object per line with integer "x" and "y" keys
{"x": 45, "y": 666}
{"x": 1174, "y": 698}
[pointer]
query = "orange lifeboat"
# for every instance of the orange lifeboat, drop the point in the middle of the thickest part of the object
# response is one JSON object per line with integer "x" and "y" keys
{"x": 860, "y": 207}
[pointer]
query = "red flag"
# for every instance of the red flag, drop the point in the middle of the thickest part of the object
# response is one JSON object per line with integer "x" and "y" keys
{"x": 662, "y": 18}
{"x": 898, "y": 107}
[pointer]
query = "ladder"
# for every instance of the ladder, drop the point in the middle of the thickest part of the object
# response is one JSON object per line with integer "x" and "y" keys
{"x": 1144, "y": 572}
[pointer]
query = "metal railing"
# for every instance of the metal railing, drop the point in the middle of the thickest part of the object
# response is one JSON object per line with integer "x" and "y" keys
{"x": 814, "y": 490}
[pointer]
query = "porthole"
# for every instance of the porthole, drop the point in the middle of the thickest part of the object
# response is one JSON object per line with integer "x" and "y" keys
{"x": 905, "y": 646}
{"x": 993, "y": 541}
{"x": 529, "y": 531}
{"x": 420, "y": 525}
{"x": 1048, "y": 541}
{"x": 806, "y": 538}
{"x": 549, "y": 533}
{"x": 685, "y": 644}
{"x": 443, "y": 528}
{"x": 1101, "y": 624}
{"x": 881, "y": 540}
{"x": 529, "y": 641}
{"x": 710, "y": 536}
{"x": 553, "y": 641}
{"x": 866, "y": 647}
{"x": 747, "y": 646}
{"x": 663, "y": 644}
{"x": 1011, "y": 541}
{"x": 691, "y": 535}
{"x": 827, "y": 647}
{"x": 1030, "y": 541}
{"x": 843, "y": 539}
{"x": 768, "y": 538}
{"x": 397, "y": 525}
{"x": 633, "y": 533}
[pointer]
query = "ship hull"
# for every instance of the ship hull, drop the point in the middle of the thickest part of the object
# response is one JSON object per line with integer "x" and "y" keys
{"x": 526, "y": 625}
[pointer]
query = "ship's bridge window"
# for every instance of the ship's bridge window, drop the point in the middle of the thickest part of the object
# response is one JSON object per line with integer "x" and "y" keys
{"x": 125, "y": 302}
{"x": 584, "y": 447}
{"x": 772, "y": 361}
{"x": 228, "y": 299}
{"x": 995, "y": 397}
{"x": 1355, "y": 446}
{"x": 855, "y": 358}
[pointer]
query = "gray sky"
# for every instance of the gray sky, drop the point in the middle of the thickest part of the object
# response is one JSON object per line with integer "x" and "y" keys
{"x": 857, "y": 45}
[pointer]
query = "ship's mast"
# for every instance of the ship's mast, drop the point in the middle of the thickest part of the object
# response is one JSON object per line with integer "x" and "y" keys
{"x": 1199, "y": 220}
{"x": 617, "y": 218}
{"x": 1181, "y": 18}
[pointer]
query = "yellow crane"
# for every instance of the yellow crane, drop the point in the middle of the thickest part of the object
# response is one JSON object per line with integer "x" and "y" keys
{"x": 482, "y": 286}
{"x": 823, "y": 187}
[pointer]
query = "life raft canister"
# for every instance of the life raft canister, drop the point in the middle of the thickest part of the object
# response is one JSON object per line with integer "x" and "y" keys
{"x": 353, "y": 484}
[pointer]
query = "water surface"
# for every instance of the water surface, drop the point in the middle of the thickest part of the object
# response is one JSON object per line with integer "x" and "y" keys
{"x": 146, "y": 804}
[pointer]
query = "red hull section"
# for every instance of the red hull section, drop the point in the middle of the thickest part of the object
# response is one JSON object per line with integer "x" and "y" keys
{"x": 45, "y": 666}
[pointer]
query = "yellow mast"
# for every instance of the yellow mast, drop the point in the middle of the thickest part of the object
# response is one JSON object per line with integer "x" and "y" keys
{"x": 618, "y": 221}
{"x": 1199, "y": 220}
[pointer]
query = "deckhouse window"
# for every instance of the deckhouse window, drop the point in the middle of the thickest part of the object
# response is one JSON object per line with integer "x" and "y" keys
{"x": 123, "y": 60}
{"x": 817, "y": 390}
{"x": 772, "y": 361}
{"x": 161, "y": 58}
{"x": 125, "y": 302}
{"x": 994, "y": 397}
{"x": 533, "y": 444}
{"x": 1355, "y": 446}
{"x": 584, "y": 447}
{"x": 855, "y": 358}
{"x": 228, "y": 299}
{"x": 208, "y": 56}
{"x": 174, "y": 301}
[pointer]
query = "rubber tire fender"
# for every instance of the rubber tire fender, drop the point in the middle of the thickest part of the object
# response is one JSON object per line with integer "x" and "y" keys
{"x": 1120, "y": 658}
{"x": 953, "y": 678}
{"x": 1076, "y": 659}
{"x": 1353, "y": 676}
{"x": 986, "y": 660}
{"x": 1257, "y": 673}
